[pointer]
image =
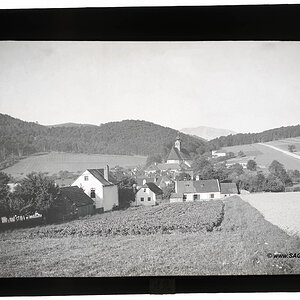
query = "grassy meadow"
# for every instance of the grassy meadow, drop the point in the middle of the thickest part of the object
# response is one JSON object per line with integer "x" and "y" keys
{"x": 205, "y": 238}
{"x": 283, "y": 144}
{"x": 265, "y": 155}
{"x": 73, "y": 162}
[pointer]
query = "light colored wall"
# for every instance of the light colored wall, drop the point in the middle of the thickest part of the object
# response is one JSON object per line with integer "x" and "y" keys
{"x": 173, "y": 161}
{"x": 111, "y": 197}
{"x": 92, "y": 183}
{"x": 203, "y": 196}
{"x": 146, "y": 194}
{"x": 227, "y": 195}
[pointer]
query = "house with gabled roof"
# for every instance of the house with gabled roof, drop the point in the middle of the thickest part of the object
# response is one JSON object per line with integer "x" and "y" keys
{"x": 141, "y": 180}
{"x": 148, "y": 195}
{"x": 96, "y": 184}
{"x": 228, "y": 189}
{"x": 196, "y": 190}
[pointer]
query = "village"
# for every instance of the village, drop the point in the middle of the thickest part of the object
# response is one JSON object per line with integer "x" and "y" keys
{"x": 97, "y": 190}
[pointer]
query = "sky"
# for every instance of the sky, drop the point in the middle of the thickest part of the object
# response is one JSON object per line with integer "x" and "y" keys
{"x": 241, "y": 86}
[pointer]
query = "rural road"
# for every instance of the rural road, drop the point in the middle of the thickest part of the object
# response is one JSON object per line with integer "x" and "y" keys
{"x": 283, "y": 151}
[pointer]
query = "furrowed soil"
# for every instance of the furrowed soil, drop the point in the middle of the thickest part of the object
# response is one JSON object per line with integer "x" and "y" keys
{"x": 205, "y": 238}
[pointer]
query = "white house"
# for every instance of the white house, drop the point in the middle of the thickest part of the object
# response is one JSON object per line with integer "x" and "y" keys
{"x": 148, "y": 194}
{"x": 228, "y": 189}
{"x": 218, "y": 153}
{"x": 196, "y": 190}
{"x": 96, "y": 185}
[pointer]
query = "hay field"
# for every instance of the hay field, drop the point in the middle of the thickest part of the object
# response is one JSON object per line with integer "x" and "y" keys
{"x": 281, "y": 209}
{"x": 54, "y": 162}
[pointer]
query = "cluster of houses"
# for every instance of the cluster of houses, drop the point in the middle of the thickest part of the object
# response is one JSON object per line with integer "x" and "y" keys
{"x": 95, "y": 190}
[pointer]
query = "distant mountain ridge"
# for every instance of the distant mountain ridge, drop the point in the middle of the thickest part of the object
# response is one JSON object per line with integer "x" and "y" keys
{"x": 70, "y": 124}
{"x": 207, "y": 133}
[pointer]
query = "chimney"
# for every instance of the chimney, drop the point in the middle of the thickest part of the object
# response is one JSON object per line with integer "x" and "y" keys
{"x": 106, "y": 172}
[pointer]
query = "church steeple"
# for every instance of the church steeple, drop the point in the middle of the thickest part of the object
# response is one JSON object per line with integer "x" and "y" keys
{"x": 178, "y": 142}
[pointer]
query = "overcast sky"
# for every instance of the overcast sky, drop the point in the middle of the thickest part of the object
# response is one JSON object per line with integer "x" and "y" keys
{"x": 242, "y": 86}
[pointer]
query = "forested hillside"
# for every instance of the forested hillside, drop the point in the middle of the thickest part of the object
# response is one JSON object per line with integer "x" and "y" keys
{"x": 126, "y": 137}
{"x": 251, "y": 138}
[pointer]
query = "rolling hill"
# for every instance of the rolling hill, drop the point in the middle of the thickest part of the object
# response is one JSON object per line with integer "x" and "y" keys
{"x": 128, "y": 137}
{"x": 207, "y": 133}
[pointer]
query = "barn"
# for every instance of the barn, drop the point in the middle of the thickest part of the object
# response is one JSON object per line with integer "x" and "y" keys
{"x": 73, "y": 203}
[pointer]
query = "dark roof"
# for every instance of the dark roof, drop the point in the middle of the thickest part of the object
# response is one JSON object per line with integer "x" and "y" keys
{"x": 228, "y": 188}
{"x": 198, "y": 186}
{"x": 172, "y": 166}
{"x": 153, "y": 187}
{"x": 176, "y": 195}
{"x": 76, "y": 195}
{"x": 175, "y": 154}
{"x": 139, "y": 180}
{"x": 98, "y": 174}
{"x": 161, "y": 179}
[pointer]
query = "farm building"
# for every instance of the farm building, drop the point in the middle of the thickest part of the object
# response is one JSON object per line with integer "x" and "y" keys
{"x": 239, "y": 160}
{"x": 148, "y": 195}
{"x": 218, "y": 153}
{"x": 73, "y": 203}
{"x": 228, "y": 189}
{"x": 194, "y": 190}
{"x": 96, "y": 185}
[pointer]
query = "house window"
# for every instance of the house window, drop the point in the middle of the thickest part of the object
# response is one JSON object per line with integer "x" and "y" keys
{"x": 86, "y": 178}
{"x": 144, "y": 190}
{"x": 212, "y": 196}
{"x": 196, "y": 197}
{"x": 142, "y": 198}
{"x": 184, "y": 198}
{"x": 93, "y": 194}
{"x": 149, "y": 198}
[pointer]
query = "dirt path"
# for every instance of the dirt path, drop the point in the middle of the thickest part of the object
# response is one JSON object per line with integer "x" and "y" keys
{"x": 283, "y": 151}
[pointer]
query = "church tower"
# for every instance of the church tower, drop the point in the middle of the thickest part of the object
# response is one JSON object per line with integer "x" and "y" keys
{"x": 178, "y": 143}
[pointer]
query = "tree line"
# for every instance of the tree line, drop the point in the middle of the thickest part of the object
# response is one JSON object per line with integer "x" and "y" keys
{"x": 128, "y": 137}
{"x": 251, "y": 138}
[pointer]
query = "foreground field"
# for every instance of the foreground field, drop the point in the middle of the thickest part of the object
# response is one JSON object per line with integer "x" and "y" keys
{"x": 265, "y": 155}
{"x": 238, "y": 245}
{"x": 72, "y": 162}
{"x": 281, "y": 209}
{"x": 167, "y": 218}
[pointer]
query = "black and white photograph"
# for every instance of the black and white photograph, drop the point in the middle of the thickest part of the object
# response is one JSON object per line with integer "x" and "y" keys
{"x": 123, "y": 159}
